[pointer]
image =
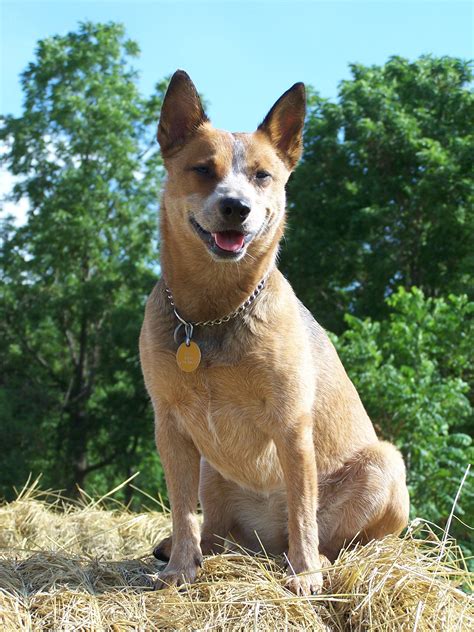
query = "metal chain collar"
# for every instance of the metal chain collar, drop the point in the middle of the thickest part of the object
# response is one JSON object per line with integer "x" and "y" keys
{"x": 189, "y": 326}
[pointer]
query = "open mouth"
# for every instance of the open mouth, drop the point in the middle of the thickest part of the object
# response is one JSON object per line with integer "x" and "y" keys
{"x": 229, "y": 244}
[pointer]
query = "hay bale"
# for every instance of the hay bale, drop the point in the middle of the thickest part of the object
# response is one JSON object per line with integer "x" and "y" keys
{"x": 65, "y": 610}
{"x": 85, "y": 567}
{"x": 14, "y": 611}
{"x": 403, "y": 584}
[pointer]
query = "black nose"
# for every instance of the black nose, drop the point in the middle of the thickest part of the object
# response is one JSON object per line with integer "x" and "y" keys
{"x": 232, "y": 208}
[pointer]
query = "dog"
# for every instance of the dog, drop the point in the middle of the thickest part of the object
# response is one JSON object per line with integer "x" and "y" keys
{"x": 254, "y": 412}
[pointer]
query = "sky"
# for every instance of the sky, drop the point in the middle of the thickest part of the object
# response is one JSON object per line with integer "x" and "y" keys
{"x": 243, "y": 55}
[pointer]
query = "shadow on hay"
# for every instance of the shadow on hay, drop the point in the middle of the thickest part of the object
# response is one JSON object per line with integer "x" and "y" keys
{"x": 42, "y": 572}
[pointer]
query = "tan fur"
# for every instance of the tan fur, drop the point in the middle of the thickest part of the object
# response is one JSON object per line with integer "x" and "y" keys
{"x": 269, "y": 426}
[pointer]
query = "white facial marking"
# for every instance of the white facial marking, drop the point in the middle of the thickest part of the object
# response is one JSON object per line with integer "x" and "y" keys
{"x": 237, "y": 184}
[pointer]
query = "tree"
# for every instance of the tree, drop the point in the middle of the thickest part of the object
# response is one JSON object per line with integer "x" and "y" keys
{"x": 384, "y": 196}
{"x": 76, "y": 275}
{"x": 413, "y": 372}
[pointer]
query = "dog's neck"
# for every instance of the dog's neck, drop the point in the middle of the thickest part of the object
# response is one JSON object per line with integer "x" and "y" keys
{"x": 205, "y": 289}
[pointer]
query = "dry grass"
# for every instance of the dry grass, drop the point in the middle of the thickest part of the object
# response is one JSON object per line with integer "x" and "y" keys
{"x": 83, "y": 567}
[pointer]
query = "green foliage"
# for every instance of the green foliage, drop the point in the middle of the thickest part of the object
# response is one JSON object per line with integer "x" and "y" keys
{"x": 76, "y": 275}
{"x": 384, "y": 195}
{"x": 412, "y": 371}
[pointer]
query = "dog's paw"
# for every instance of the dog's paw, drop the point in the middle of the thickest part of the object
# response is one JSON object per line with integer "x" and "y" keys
{"x": 162, "y": 551}
{"x": 305, "y": 584}
{"x": 177, "y": 575}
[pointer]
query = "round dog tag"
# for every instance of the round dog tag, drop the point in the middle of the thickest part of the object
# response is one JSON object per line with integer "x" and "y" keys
{"x": 188, "y": 357}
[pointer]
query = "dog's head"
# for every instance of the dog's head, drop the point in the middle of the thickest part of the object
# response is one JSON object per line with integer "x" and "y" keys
{"x": 226, "y": 190}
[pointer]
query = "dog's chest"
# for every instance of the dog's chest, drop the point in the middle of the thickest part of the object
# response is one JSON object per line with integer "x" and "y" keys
{"x": 227, "y": 416}
{"x": 238, "y": 450}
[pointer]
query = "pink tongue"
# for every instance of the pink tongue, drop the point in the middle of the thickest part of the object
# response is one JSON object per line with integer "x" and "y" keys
{"x": 229, "y": 240}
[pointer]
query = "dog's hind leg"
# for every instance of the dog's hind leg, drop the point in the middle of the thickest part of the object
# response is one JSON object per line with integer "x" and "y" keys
{"x": 250, "y": 520}
{"x": 364, "y": 500}
{"x": 216, "y": 495}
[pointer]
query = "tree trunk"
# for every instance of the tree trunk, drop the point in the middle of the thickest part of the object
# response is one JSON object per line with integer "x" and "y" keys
{"x": 77, "y": 451}
{"x": 78, "y": 430}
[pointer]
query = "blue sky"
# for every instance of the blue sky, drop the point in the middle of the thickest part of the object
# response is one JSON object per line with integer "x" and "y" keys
{"x": 243, "y": 55}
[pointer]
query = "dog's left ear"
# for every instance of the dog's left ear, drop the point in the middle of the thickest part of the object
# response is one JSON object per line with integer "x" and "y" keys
{"x": 284, "y": 124}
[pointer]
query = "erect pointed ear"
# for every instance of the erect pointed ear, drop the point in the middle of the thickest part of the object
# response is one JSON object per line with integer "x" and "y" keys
{"x": 181, "y": 112}
{"x": 284, "y": 124}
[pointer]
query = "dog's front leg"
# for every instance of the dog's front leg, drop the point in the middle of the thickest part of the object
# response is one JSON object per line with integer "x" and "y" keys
{"x": 180, "y": 460}
{"x": 295, "y": 449}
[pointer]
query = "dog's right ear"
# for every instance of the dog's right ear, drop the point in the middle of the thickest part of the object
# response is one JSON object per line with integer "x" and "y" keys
{"x": 181, "y": 113}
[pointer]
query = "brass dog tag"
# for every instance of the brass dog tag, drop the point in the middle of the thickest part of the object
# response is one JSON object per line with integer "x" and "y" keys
{"x": 188, "y": 357}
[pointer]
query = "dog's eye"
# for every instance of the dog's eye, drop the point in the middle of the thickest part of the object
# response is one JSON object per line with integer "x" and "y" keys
{"x": 262, "y": 175}
{"x": 202, "y": 169}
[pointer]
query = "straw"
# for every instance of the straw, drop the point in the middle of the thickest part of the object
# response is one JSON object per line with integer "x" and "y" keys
{"x": 84, "y": 566}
